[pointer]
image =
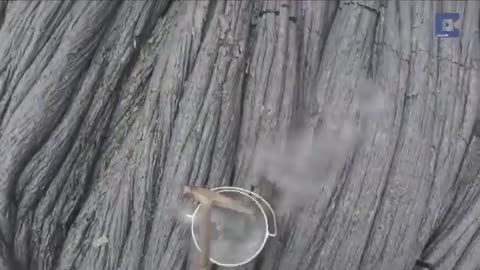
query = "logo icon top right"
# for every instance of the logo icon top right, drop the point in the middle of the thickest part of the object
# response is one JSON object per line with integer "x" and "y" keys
{"x": 444, "y": 25}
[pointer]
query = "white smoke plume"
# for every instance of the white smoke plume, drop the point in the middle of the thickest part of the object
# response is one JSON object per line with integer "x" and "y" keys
{"x": 299, "y": 168}
{"x": 310, "y": 160}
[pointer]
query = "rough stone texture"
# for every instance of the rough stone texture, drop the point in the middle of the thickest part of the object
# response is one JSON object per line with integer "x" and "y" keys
{"x": 107, "y": 108}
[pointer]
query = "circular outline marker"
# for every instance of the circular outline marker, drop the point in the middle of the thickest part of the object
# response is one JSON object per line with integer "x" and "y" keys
{"x": 255, "y": 200}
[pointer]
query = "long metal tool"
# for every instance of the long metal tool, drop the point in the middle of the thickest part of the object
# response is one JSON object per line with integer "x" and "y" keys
{"x": 209, "y": 199}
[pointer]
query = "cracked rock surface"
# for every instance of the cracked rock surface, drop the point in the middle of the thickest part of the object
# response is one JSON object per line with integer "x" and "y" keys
{"x": 107, "y": 108}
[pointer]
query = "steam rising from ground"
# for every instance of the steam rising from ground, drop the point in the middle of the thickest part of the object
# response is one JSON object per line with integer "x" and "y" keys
{"x": 309, "y": 161}
{"x": 300, "y": 169}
